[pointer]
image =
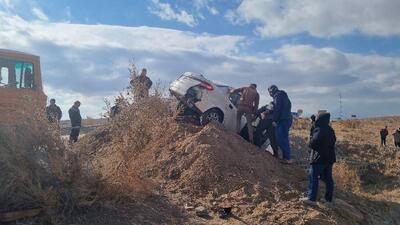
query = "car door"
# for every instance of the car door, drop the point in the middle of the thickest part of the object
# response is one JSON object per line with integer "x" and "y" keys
{"x": 232, "y": 100}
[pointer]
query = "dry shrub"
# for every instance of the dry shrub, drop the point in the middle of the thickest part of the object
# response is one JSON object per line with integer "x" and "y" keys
{"x": 346, "y": 177}
{"x": 36, "y": 169}
{"x": 301, "y": 124}
{"x": 124, "y": 137}
{"x": 26, "y": 179}
{"x": 139, "y": 123}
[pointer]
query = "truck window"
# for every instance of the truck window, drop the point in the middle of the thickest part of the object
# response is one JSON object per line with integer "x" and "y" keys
{"x": 16, "y": 74}
{"x": 24, "y": 74}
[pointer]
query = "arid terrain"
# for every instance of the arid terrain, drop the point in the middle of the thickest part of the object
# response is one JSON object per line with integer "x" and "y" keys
{"x": 143, "y": 167}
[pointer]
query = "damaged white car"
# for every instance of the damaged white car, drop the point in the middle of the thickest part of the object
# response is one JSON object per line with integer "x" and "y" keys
{"x": 205, "y": 99}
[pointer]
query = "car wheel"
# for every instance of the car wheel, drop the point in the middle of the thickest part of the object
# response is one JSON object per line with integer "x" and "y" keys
{"x": 211, "y": 115}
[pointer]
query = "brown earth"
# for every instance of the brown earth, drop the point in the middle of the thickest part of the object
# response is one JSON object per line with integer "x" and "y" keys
{"x": 160, "y": 173}
{"x": 145, "y": 168}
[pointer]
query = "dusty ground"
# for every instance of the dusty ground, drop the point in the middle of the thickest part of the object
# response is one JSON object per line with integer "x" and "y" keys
{"x": 185, "y": 167}
{"x": 145, "y": 168}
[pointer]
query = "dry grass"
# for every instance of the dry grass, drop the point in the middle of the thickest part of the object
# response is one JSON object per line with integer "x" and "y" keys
{"x": 38, "y": 171}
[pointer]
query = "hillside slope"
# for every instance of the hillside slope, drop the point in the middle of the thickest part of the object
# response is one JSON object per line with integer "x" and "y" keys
{"x": 154, "y": 162}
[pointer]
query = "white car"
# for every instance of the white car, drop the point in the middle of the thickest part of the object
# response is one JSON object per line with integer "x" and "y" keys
{"x": 205, "y": 99}
{"x": 208, "y": 101}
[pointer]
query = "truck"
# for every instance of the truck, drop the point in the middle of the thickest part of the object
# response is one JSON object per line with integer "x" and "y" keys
{"x": 21, "y": 90}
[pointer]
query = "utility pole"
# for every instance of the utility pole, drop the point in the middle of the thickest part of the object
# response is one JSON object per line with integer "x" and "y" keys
{"x": 340, "y": 106}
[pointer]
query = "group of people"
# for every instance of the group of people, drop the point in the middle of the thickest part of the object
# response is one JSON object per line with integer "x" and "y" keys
{"x": 54, "y": 115}
{"x": 275, "y": 118}
{"x": 396, "y": 136}
{"x": 141, "y": 85}
{"x": 275, "y": 121}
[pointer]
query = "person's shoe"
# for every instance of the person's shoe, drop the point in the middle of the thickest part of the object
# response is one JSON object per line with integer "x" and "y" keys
{"x": 307, "y": 201}
{"x": 325, "y": 202}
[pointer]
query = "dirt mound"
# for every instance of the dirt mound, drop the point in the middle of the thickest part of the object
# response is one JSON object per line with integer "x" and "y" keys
{"x": 208, "y": 167}
{"x": 144, "y": 154}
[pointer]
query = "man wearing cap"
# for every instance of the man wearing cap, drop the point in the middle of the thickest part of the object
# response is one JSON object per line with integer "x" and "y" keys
{"x": 248, "y": 106}
{"x": 282, "y": 120}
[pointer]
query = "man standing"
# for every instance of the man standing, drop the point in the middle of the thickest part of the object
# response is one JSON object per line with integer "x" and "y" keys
{"x": 322, "y": 158}
{"x": 384, "y": 133}
{"x": 248, "y": 106}
{"x": 265, "y": 124}
{"x": 282, "y": 120}
{"x": 396, "y": 137}
{"x": 141, "y": 85}
{"x": 117, "y": 108}
{"x": 53, "y": 112}
{"x": 76, "y": 121}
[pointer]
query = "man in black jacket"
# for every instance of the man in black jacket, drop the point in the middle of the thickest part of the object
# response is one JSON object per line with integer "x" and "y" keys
{"x": 53, "y": 112}
{"x": 76, "y": 121}
{"x": 322, "y": 158}
{"x": 265, "y": 125}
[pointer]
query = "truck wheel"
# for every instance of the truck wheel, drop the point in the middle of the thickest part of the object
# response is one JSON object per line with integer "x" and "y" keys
{"x": 211, "y": 115}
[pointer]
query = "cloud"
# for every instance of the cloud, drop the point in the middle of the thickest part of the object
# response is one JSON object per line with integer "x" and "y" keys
{"x": 166, "y": 12}
{"x": 6, "y": 4}
{"x": 275, "y": 18}
{"x": 39, "y": 14}
{"x": 89, "y": 62}
{"x": 205, "y": 4}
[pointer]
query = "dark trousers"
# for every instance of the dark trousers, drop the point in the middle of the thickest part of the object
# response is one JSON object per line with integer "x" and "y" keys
{"x": 325, "y": 172}
{"x": 266, "y": 125}
{"x": 397, "y": 144}
{"x": 73, "y": 136}
{"x": 282, "y": 137}
{"x": 383, "y": 141}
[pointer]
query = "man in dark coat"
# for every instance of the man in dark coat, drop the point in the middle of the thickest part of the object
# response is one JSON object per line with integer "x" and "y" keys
{"x": 141, "y": 85}
{"x": 384, "y": 133}
{"x": 282, "y": 120}
{"x": 396, "y": 138}
{"x": 265, "y": 125}
{"x": 76, "y": 121}
{"x": 322, "y": 158}
{"x": 53, "y": 112}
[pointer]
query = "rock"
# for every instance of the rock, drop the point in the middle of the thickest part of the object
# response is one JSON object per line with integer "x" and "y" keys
{"x": 348, "y": 211}
{"x": 174, "y": 174}
{"x": 201, "y": 211}
{"x": 189, "y": 207}
{"x": 190, "y": 148}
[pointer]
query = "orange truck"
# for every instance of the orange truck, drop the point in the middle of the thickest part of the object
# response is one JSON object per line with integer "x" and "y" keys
{"x": 21, "y": 90}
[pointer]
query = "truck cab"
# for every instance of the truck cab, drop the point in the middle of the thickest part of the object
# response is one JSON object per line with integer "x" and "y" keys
{"x": 21, "y": 90}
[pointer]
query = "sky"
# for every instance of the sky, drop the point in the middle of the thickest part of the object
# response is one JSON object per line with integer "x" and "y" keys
{"x": 314, "y": 50}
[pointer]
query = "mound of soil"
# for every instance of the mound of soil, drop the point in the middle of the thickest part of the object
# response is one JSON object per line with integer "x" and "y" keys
{"x": 155, "y": 170}
{"x": 213, "y": 168}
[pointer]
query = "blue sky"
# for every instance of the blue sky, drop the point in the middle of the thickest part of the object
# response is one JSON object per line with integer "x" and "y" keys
{"x": 312, "y": 49}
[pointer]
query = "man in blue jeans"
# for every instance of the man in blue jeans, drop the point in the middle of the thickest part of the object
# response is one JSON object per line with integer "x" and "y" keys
{"x": 282, "y": 117}
{"x": 322, "y": 158}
